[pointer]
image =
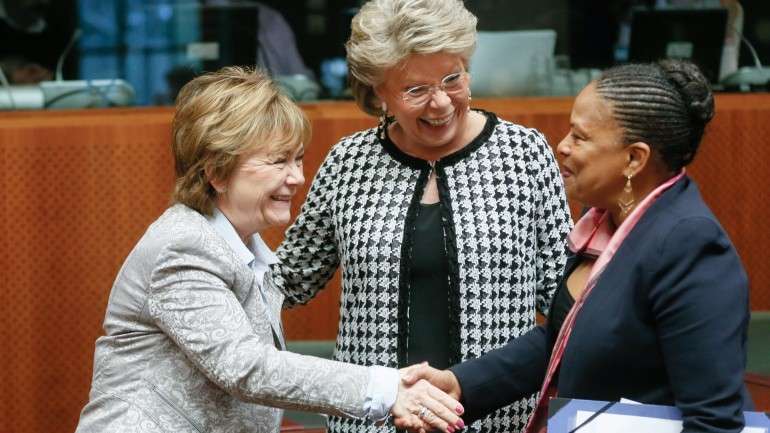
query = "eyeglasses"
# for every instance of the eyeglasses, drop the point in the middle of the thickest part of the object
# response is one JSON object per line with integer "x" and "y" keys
{"x": 452, "y": 85}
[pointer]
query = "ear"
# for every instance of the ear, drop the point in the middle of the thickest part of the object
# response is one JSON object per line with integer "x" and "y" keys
{"x": 380, "y": 92}
{"x": 639, "y": 154}
{"x": 219, "y": 185}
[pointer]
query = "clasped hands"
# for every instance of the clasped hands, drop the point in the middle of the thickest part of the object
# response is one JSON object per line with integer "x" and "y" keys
{"x": 427, "y": 399}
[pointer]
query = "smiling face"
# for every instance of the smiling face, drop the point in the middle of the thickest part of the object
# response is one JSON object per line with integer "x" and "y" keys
{"x": 258, "y": 193}
{"x": 592, "y": 157}
{"x": 439, "y": 125}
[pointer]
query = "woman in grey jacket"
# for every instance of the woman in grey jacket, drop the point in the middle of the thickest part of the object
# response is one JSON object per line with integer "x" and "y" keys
{"x": 193, "y": 340}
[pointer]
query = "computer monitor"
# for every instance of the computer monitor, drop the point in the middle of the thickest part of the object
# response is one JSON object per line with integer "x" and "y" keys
{"x": 694, "y": 34}
{"x": 512, "y": 63}
{"x": 215, "y": 35}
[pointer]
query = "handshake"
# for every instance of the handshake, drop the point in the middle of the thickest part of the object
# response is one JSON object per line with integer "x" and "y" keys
{"x": 427, "y": 399}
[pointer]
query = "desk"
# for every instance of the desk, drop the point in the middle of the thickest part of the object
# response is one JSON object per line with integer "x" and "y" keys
{"x": 80, "y": 187}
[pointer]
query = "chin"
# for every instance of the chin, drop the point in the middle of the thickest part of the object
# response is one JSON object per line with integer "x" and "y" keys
{"x": 280, "y": 220}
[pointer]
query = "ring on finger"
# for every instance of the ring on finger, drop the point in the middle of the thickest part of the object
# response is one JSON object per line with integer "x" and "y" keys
{"x": 425, "y": 414}
{"x": 422, "y": 412}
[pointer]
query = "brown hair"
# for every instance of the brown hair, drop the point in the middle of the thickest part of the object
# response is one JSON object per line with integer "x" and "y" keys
{"x": 221, "y": 116}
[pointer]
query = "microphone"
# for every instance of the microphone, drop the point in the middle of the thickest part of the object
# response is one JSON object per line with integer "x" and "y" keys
{"x": 60, "y": 63}
{"x": 62, "y": 93}
{"x": 748, "y": 76}
{"x": 7, "y": 88}
{"x": 753, "y": 52}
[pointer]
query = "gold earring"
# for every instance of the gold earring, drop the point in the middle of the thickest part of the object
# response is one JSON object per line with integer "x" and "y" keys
{"x": 626, "y": 202}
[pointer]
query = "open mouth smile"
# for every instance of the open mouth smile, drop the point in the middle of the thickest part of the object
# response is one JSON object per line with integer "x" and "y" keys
{"x": 441, "y": 121}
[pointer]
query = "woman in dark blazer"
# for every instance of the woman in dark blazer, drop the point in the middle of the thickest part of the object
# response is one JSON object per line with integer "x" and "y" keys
{"x": 653, "y": 305}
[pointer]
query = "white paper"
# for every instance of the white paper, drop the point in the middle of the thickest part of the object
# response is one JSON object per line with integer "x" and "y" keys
{"x": 608, "y": 422}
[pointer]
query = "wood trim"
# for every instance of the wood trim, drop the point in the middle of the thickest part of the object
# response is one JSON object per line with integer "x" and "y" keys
{"x": 759, "y": 389}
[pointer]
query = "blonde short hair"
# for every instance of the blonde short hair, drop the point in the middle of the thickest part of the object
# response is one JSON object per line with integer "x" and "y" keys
{"x": 386, "y": 32}
{"x": 221, "y": 116}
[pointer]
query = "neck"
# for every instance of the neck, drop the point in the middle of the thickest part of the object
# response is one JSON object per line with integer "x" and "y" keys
{"x": 246, "y": 240}
{"x": 244, "y": 233}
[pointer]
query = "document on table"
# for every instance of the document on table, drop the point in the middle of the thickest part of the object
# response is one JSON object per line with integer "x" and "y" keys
{"x": 610, "y": 422}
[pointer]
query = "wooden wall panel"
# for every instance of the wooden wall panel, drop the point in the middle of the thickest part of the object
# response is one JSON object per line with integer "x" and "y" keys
{"x": 759, "y": 388}
{"x": 78, "y": 192}
{"x": 80, "y": 187}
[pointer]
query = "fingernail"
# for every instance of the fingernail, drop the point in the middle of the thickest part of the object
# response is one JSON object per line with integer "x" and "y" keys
{"x": 459, "y": 409}
{"x": 460, "y": 424}
{"x": 449, "y": 429}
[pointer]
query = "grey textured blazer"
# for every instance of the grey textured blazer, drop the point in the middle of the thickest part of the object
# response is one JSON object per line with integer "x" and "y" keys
{"x": 189, "y": 346}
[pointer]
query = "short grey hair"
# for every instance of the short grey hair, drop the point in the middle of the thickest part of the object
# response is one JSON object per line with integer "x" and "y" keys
{"x": 386, "y": 32}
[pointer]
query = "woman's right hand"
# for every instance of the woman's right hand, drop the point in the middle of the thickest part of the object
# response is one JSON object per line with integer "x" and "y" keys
{"x": 420, "y": 407}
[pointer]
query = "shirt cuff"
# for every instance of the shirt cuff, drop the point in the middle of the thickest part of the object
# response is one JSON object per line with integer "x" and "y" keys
{"x": 381, "y": 392}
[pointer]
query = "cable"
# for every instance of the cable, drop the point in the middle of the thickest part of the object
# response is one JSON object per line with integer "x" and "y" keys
{"x": 7, "y": 87}
{"x": 63, "y": 95}
{"x": 60, "y": 63}
{"x": 751, "y": 49}
{"x": 90, "y": 88}
{"x": 745, "y": 40}
{"x": 592, "y": 417}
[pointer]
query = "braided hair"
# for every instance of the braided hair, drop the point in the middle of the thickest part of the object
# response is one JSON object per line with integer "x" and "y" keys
{"x": 666, "y": 105}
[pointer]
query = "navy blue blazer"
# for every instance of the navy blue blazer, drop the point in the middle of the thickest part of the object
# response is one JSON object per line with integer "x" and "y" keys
{"x": 665, "y": 324}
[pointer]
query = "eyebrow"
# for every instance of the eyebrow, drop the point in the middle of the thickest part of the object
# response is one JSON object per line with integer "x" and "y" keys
{"x": 577, "y": 129}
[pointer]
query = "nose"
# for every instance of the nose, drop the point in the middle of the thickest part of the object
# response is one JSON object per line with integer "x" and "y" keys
{"x": 564, "y": 147}
{"x": 439, "y": 98}
{"x": 296, "y": 176}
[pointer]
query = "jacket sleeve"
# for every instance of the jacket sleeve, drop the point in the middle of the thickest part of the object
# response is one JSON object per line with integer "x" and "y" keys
{"x": 553, "y": 222}
{"x": 504, "y": 375}
{"x": 699, "y": 299}
{"x": 190, "y": 300}
{"x": 308, "y": 255}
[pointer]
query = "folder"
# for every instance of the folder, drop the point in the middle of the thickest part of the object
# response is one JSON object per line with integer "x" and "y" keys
{"x": 592, "y": 416}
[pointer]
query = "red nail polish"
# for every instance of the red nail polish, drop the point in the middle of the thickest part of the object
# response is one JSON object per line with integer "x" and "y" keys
{"x": 460, "y": 424}
{"x": 459, "y": 409}
{"x": 450, "y": 429}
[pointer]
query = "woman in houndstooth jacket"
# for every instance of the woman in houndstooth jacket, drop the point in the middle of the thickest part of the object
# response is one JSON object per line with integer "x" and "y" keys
{"x": 449, "y": 223}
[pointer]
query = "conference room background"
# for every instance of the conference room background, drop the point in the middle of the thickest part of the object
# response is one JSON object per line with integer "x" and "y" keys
{"x": 145, "y": 42}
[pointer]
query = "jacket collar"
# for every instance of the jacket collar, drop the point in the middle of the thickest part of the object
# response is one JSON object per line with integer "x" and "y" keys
{"x": 417, "y": 163}
{"x": 257, "y": 256}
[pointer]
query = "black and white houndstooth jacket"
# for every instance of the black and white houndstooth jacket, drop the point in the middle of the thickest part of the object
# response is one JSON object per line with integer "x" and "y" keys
{"x": 505, "y": 221}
